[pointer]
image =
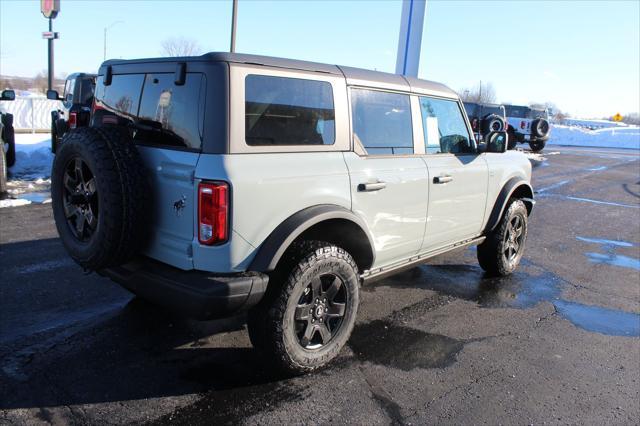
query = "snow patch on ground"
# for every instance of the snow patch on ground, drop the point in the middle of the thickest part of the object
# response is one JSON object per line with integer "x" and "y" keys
{"x": 13, "y": 202}
{"x": 610, "y": 137}
{"x": 33, "y": 157}
{"x": 29, "y": 180}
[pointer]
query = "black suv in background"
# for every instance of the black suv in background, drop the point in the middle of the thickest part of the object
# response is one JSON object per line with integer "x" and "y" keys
{"x": 77, "y": 101}
{"x": 7, "y": 142}
{"x": 485, "y": 118}
{"x": 527, "y": 124}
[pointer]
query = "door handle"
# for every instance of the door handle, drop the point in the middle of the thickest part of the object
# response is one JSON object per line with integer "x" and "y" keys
{"x": 442, "y": 179}
{"x": 370, "y": 187}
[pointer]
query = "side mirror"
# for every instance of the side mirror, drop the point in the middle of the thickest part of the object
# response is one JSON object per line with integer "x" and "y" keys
{"x": 53, "y": 95}
{"x": 496, "y": 142}
{"x": 8, "y": 95}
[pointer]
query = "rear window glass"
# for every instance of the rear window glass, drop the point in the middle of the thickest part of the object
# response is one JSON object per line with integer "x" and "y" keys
{"x": 288, "y": 111}
{"x": 122, "y": 96}
{"x": 382, "y": 122}
{"x": 516, "y": 111}
{"x": 171, "y": 115}
{"x": 86, "y": 90}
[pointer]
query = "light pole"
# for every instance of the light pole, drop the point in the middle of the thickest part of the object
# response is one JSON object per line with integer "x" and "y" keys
{"x": 104, "y": 58}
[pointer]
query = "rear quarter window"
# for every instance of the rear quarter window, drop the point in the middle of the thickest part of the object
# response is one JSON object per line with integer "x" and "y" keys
{"x": 122, "y": 96}
{"x": 171, "y": 115}
{"x": 288, "y": 111}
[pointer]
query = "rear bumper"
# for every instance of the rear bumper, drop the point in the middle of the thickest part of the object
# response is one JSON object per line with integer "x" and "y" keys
{"x": 196, "y": 294}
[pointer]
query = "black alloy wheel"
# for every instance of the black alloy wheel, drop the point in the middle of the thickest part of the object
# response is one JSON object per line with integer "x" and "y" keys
{"x": 513, "y": 239}
{"x": 80, "y": 199}
{"x": 320, "y": 311}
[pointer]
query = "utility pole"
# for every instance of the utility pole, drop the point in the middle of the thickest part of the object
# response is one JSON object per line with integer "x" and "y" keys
{"x": 411, "y": 23}
{"x": 50, "y": 9}
{"x": 234, "y": 18}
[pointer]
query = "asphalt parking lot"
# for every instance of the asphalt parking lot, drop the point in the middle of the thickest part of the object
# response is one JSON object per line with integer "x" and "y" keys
{"x": 558, "y": 342}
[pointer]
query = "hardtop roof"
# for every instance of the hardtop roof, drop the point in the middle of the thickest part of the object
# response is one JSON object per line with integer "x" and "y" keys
{"x": 354, "y": 76}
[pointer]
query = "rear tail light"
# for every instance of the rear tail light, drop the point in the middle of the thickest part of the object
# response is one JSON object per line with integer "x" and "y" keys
{"x": 73, "y": 120}
{"x": 523, "y": 124}
{"x": 213, "y": 212}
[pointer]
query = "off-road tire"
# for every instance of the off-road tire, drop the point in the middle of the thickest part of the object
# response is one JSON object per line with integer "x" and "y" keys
{"x": 537, "y": 145}
{"x": 270, "y": 323}
{"x": 9, "y": 138}
{"x": 54, "y": 138}
{"x": 121, "y": 189}
{"x": 489, "y": 120}
{"x": 540, "y": 128}
{"x": 491, "y": 252}
{"x": 512, "y": 141}
{"x": 3, "y": 173}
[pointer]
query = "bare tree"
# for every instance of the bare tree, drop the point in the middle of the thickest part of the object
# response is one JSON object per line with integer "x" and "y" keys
{"x": 482, "y": 93}
{"x": 632, "y": 118}
{"x": 180, "y": 46}
{"x": 41, "y": 81}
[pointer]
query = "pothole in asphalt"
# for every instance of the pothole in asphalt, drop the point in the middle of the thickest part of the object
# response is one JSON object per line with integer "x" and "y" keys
{"x": 383, "y": 342}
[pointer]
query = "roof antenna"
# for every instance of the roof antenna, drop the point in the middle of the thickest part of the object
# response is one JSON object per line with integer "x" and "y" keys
{"x": 234, "y": 18}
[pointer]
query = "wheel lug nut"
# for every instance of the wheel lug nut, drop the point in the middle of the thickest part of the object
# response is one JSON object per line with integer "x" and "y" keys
{"x": 320, "y": 319}
{"x": 317, "y": 300}
{"x": 313, "y": 320}
{"x": 310, "y": 311}
{"x": 326, "y": 309}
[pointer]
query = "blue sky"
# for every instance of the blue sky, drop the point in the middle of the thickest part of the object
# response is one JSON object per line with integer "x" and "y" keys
{"x": 584, "y": 56}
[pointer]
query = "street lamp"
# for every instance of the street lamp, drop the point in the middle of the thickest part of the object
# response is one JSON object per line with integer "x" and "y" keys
{"x": 105, "y": 37}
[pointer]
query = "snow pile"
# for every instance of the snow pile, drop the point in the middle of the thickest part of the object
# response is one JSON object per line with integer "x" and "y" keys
{"x": 13, "y": 203}
{"x": 610, "y": 137}
{"x": 29, "y": 180}
{"x": 591, "y": 124}
{"x": 33, "y": 157}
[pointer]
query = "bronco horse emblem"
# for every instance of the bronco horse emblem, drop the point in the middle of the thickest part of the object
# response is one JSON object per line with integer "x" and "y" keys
{"x": 179, "y": 205}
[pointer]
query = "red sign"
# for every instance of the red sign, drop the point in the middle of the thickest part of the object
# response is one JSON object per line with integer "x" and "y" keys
{"x": 50, "y": 8}
{"x": 50, "y": 35}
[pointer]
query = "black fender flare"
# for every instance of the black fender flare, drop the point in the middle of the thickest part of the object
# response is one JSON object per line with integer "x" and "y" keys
{"x": 272, "y": 249}
{"x": 512, "y": 185}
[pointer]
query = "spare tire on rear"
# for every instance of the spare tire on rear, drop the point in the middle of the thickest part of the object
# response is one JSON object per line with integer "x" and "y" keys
{"x": 540, "y": 128}
{"x": 492, "y": 123}
{"x": 99, "y": 196}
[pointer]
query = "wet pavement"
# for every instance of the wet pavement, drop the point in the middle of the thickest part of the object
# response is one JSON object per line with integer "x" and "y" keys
{"x": 557, "y": 342}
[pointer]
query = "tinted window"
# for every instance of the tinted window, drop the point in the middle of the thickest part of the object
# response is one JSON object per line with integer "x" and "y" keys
{"x": 288, "y": 111}
{"x": 86, "y": 90}
{"x": 444, "y": 127}
{"x": 382, "y": 121}
{"x": 122, "y": 95}
{"x": 516, "y": 111}
{"x": 171, "y": 115}
{"x": 68, "y": 91}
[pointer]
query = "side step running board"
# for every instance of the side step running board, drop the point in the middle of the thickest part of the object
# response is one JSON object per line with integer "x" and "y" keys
{"x": 379, "y": 273}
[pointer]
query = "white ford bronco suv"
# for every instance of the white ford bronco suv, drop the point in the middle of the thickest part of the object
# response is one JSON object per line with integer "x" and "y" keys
{"x": 230, "y": 182}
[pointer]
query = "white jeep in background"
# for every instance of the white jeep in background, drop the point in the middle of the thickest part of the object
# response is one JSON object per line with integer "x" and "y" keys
{"x": 529, "y": 125}
{"x": 229, "y": 182}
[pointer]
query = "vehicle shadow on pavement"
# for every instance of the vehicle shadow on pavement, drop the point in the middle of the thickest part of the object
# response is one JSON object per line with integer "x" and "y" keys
{"x": 139, "y": 352}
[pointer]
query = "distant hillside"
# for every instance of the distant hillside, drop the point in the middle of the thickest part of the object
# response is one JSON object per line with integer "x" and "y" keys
{"x": 36, "y": 84}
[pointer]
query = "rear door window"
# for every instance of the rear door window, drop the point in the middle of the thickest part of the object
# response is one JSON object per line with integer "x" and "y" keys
{"x": 288, "y": 111}
{"x": 382, "y": 122}
{"x": 445, "y": 130}
{"x": 171, "y": 115}
{"x": 122, "y": 96}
